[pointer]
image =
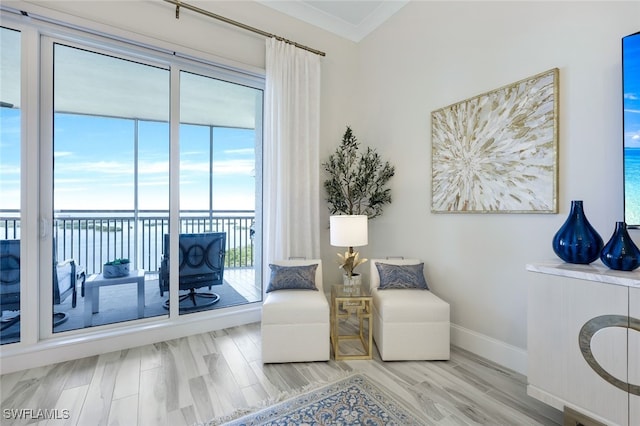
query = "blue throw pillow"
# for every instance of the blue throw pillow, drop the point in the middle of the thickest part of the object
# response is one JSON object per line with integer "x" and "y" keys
{"x": 292, "y": 277}
{"x": 401, "y": 276}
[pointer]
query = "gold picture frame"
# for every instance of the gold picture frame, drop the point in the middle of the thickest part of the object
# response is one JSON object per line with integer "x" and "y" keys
{"x": 498, "y": 152}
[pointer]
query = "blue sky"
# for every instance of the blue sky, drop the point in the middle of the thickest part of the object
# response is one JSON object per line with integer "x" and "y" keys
{"x": 9, "y": 158}
{"x": 631, "y": 59}
{"x": 94, "y": 164}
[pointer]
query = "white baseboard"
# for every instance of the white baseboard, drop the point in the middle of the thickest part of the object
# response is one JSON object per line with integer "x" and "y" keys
{"x": 546, "y": 397}
{"x": 502, "y": 353}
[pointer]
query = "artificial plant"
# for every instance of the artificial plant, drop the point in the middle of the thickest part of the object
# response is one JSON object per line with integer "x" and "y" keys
{"x": 357, "y": 185}
{"x": 357, "y": 182}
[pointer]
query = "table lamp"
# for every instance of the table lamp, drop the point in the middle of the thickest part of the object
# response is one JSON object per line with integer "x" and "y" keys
{"x": 349, "y": 231}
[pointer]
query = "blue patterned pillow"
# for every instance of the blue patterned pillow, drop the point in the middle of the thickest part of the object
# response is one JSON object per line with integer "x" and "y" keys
{"x": 292, "y": 277}
{"x": 401, "y": 276}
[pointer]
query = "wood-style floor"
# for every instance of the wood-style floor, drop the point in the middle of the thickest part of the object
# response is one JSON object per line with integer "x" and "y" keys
{"x": 197, "y": 378}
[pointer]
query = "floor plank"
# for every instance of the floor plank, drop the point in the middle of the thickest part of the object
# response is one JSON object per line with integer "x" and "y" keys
{"x": 196, "y": 378}
{"x": 123, "y": 411}
{"x": 71, "y": 399}
{"x": 128, "y": 374}
{"x": 152, "y": 398}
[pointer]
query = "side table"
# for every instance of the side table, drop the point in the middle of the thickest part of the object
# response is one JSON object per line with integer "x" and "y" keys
{"x": 92, "y": 292}
{"x": 347, "y": 301}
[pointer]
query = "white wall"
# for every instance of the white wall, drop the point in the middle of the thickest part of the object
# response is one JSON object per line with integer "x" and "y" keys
{"x": 432, "y": 54}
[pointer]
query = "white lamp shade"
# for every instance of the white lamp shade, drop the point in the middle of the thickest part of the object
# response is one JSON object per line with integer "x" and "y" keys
{"x": 348, "y": 230}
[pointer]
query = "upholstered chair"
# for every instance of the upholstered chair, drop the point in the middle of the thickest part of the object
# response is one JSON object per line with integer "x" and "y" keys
{"x": 295, "y": 313}
{"x": 201, "y": 264}
{"x": 409, "y": 321}
{"x": 65, "y": 276}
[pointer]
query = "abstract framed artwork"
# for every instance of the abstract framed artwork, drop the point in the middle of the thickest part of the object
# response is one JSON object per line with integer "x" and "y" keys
{"x": 498, "y": 152}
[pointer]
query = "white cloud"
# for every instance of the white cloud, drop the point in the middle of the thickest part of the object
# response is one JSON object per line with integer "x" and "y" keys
{"x": 10, "y": 199}
{"x": 9, "y": 170}
{"x": 233, "y": 167}
{"x": 241, "y": 151}
{"x": 153, "y": 167}
{"x": 150, "y": 183}
{"x": 220, "y": 168}
{"x": 109, "y": 183}
{"x": 194, "y": 153}
{"x": 10, "y": 143}
{"x": 632, "y": 139}
{"x": 99, "y": 167}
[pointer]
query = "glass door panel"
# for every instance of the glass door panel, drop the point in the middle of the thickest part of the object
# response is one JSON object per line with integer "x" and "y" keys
{"x": 218, "y": 140}
{"x": 153, "y": 196}
{"x": 10, "y": 173}
{"x": 110, "y": 187}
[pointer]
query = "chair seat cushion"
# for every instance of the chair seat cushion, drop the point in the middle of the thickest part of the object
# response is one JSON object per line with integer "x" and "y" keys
{"x": 405, "y": 305}
{"x": 295, "y": 307}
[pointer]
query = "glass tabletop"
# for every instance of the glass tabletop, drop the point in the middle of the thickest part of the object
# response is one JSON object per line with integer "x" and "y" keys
{"x": 346, "y": 291}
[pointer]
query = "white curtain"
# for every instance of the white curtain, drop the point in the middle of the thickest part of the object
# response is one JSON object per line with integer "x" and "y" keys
{"x": 291, "y": 223}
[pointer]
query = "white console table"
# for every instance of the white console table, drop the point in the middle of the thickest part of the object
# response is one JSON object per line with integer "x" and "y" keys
{"x": 583, "y": 339}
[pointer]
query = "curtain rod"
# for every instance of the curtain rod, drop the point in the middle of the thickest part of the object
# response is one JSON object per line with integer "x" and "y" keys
{"x": 180, "y": 4}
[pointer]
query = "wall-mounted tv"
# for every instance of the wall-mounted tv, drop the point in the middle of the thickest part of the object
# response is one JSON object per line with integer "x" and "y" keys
{"x": 631, "y": 127}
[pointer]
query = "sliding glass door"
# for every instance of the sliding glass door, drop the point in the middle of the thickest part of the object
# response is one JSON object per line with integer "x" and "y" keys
{"x": 116, "y": 142}
{"x": 218, "y": 192}
{"x": 143, "y": 173}
{"x": 110, "y": 186}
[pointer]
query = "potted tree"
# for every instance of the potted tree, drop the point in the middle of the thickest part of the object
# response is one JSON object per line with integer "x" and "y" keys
{"x": 356, "y": 185}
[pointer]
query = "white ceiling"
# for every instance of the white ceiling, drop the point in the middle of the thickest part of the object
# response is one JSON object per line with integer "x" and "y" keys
{"x": 351, "y": 19}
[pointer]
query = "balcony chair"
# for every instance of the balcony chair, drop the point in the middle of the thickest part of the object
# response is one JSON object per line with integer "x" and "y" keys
{"x": 64, "y": 283}
{"x": 9, "y": 281}
{"x": 66, "y": 275}
{"x": 201, "y": 261}
{"x": 409, "y": 321}
{"x": 295, "y": 314}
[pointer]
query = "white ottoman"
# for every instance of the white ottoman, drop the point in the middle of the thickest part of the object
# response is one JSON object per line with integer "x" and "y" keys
{"x": 409, "y": 324}
{"x": 295, "y": 323}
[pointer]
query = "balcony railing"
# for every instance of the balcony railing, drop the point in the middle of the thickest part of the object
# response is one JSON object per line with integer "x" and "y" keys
{"x": 94, "y": 237}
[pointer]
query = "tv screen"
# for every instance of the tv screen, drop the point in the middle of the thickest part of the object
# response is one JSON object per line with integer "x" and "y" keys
{"x": 631, "y": 127}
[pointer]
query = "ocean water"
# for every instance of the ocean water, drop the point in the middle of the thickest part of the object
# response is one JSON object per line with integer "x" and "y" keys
{"x": 91, "y": 247}
{"x": 632, "y": 186}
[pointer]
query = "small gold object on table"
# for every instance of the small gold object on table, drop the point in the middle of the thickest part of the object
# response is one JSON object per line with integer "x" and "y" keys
{"x": 347, "y": 301}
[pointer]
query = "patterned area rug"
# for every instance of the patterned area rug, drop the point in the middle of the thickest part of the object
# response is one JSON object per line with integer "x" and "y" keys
{"x": 355, "y": 400}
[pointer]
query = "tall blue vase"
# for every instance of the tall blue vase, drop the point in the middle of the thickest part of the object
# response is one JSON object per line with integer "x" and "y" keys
{"x": 577, "y": 241}
{"x": 621, "y": 253}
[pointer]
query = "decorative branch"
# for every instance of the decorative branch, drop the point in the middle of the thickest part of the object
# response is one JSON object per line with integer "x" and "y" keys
{"x": 357, "y": 182}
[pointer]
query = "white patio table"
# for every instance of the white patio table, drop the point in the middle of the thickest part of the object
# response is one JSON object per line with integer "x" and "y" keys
{"x": 92, "y": 292}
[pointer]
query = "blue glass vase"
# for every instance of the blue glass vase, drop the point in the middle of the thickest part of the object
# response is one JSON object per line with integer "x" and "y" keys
{"x": 620, "y": 253}
{"x": 577, "y": 241}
